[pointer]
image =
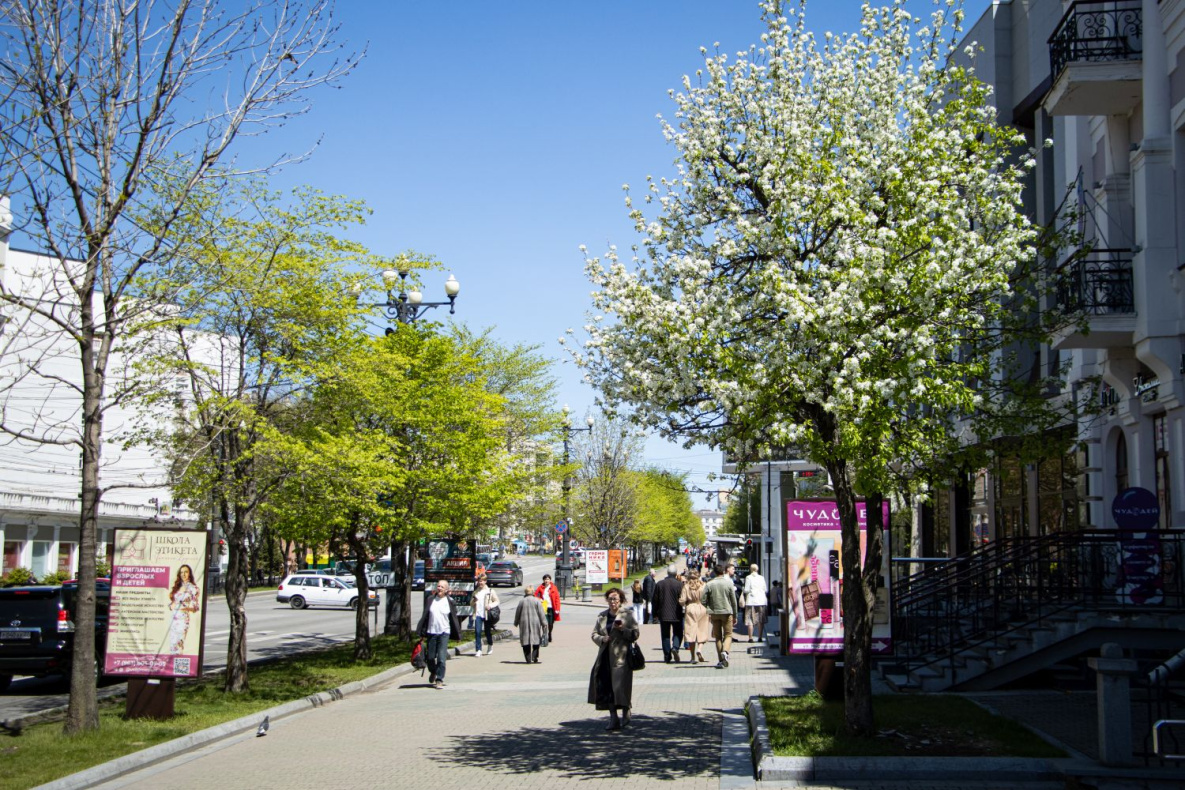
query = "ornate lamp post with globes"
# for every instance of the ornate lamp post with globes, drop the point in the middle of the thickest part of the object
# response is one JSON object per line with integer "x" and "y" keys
{"x": 407, "y": 306}
{"x": 563, "y": 570}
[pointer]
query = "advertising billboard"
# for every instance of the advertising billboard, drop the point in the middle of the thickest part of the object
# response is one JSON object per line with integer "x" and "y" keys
{"x": 596, "y": 566}
{"x": 455, "y": 561}
{"x": 157, "y": 603}
{"x": 815, "y": 579}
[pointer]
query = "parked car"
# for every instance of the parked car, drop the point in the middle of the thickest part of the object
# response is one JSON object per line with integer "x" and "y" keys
{"x": 37, "y": 629}
{"x": 301, "y": 590}
{"x": 417, "y": 576}
{"x": 507, "y": 572}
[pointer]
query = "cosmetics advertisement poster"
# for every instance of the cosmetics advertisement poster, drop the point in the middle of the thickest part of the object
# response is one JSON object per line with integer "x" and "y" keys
{"x": 157, "y": 603}
{"x": 815, "y": 578}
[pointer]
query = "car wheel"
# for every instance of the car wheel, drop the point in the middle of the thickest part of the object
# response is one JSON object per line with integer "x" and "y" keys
{"x": 5, "y": 681}
{"x": 296, "y": 602}
{"x": 354, "y": 604}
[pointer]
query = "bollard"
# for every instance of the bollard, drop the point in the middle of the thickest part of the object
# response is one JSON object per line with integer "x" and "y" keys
{"x": 1114, "y": 704}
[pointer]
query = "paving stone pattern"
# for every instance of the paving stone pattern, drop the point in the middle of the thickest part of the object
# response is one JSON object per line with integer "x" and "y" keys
{"x": 502, "y": 723}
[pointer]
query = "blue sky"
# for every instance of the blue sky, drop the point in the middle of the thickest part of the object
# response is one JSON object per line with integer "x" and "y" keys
{"x": 497, "y": 137}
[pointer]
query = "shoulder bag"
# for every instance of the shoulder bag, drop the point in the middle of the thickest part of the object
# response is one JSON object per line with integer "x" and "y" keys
{"x": 635, "y": 658}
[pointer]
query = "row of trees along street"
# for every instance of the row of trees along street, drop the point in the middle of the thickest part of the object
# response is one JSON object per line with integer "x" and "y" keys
{"x": 237, "y": 320}
{"x": 840, "y": 270}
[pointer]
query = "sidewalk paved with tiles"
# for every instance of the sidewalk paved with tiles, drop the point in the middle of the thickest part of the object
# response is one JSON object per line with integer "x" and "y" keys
{"x": 502, "y": 723}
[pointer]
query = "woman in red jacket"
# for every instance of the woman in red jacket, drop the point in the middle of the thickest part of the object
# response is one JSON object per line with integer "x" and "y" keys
{"x": 550, "y": 595}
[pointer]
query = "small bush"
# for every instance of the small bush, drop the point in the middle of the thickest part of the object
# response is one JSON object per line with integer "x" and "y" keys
{"x": 18, "y": 577}
{"x": 57, "y": 577}
{"x": 102, "y": 570}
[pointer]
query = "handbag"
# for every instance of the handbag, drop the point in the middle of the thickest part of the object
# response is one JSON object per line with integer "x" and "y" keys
{"x": 418, "y": 659}
{"x": 493, "y": 614}
{"x": 635, "y": 658}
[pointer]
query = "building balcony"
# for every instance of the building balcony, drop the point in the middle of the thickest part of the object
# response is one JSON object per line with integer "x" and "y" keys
{"x": 1095, "y": 56}
{"x": 1098, "y": 287}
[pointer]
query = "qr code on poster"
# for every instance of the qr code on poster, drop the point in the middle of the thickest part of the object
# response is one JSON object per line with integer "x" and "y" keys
{"x": 181, "y": 666}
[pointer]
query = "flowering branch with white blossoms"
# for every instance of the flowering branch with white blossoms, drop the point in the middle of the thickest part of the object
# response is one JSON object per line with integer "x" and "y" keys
{"x": 838, "y": 241}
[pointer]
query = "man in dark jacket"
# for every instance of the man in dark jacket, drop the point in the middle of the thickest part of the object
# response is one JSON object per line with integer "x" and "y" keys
{"x": 669, "y": 614}
{"x": 648, "y": 585}
{"x": 438, "y": 624}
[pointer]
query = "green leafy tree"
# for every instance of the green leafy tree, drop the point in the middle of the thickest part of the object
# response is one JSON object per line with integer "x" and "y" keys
{"x": 265, "y": 308}
{"x": 102, "y": 103}
{"x": 831, "y": 269}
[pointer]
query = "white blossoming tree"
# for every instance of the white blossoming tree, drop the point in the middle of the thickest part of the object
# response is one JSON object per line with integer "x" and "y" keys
{"x": 831, "y": 269}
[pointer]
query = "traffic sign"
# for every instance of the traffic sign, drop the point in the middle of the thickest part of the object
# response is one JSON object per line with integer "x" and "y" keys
{"x": 561, "y": 527}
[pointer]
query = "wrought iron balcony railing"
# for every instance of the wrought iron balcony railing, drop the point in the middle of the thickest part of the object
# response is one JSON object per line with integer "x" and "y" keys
{"x": 1098, "y": 284}
{"x": 1097, "y": 31}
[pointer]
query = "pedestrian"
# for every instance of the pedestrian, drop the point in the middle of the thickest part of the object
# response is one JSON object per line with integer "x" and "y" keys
{"x": 550, "y": 595}
{"x": 666, "y": 610}
{"x": 720, "y": 599}
{"x": 639, "y": 600}
{"x": 775, "y": 598}
{"x": 531, "y": 623}
{"x": 439, "y": 624}
{"x": 756, "y": 599}
{"x": 611, "y": 684}
{"x": 484, "y": 599}
{"x": 697, "y": 629}
{"x": 648, "y": 585}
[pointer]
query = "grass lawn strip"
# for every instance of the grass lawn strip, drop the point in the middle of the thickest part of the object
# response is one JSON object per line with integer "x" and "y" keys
{"x": 907, "y": 726}
{"x": 41, "y": 753}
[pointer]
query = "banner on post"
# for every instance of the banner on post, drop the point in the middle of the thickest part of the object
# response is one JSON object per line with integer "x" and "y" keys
{"x": 158, "y": 602}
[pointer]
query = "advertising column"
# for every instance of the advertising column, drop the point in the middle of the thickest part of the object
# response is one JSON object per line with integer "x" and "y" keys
{"x": 157, "y": 605}
{"x": 815, "y": 579}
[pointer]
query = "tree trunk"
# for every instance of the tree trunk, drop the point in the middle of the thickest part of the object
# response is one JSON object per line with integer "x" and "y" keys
{"x": 857, "y": 603}
{"x": 362, "y": 650}
{"x": 398, "y": 622}
{"x": 236, "y": 600}
{"x": 82, "y": 712}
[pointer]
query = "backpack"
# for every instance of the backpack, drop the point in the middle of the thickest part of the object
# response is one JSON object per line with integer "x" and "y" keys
{"x": 418, "y": 659}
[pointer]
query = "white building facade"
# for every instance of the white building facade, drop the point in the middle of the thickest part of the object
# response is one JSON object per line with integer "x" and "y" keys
{"x": 40, "y": 482}
{"x": 1105, "y": 81}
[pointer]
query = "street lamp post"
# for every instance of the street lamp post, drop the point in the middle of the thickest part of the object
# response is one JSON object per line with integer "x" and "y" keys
{"x": 407, "y": 306}
{"x": 563, "y": 571}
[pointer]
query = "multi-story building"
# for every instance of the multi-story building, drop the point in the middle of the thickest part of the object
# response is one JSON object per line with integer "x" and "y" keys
{"x": 40, "y": 380}
{"x": 1105, "y": 82}
{"x": 712, "y": 520}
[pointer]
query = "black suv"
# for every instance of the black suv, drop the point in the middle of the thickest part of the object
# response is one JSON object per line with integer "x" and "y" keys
{"x": 37, "y": 629}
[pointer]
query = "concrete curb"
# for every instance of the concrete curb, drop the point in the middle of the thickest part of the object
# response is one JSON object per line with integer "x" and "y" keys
{"x": 770, "y": 768}
{"x": 113, "y": 769}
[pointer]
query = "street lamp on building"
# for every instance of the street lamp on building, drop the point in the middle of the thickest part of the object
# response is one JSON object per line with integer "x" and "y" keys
{"x": 563, "y": 570}
{"x": 407, "y": 306}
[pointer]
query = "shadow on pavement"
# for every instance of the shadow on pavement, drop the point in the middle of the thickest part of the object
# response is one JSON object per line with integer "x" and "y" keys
{"x": 666, "y": 746}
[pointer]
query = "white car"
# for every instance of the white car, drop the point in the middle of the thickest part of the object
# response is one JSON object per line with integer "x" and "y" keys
{"x": 301, "y": 590}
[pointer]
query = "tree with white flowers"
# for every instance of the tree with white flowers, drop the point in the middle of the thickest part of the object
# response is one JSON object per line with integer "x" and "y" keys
{"x": 831, "y": 269}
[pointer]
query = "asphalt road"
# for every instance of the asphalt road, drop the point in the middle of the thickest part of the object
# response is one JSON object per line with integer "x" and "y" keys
{"x": 273, "y": 629}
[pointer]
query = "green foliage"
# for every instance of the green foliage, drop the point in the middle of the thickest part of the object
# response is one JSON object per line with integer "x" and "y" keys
{"x": 57, "y": 577}
{"x": 664, "y": 510}
{"x": 18, "y": 577}
{"x": 102, "y": 569}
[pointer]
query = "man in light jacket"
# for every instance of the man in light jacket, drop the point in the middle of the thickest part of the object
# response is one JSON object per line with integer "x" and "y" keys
{"x": 756, "y": 599}
{"x": 720, "y": 599}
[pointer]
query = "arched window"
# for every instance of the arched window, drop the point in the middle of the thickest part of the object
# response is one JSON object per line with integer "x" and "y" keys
{"x": 1121, "y": 464}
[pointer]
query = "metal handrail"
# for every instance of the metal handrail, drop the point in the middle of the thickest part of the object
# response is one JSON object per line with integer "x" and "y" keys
{"x": 1114, "y": 32}
{"x": 1015, "y": 583}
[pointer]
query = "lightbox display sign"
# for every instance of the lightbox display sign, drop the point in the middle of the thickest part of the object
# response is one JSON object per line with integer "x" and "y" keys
{"x": 596, "y": 566}
{"x": 815, "y": 579}
{"x": 158, "y": 601}
{"x": 454, "y": 560}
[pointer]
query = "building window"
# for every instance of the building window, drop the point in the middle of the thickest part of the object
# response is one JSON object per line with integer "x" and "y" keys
{"x": 1011, "y": 489}
{"x": 1160, "y": 446}
{"x": 41, "y": 560}
{"x": 1057, "y": 494}
{"x": 12, "y": 555}
{"x": 1121, "y": 483}
{"x": 66, "y": 558}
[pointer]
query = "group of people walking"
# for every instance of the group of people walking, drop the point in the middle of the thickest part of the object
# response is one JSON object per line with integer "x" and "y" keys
{"x": 689, "y": 611}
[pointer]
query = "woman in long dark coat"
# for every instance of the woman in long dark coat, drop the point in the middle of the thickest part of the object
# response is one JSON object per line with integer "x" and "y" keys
{"x": 531, "y": 624}
{"x": 611, "y": 685}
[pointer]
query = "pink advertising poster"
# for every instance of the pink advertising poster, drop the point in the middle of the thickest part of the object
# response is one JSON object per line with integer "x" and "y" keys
{"x": 815, "y": 578}
{"x": 157, "y": 603}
